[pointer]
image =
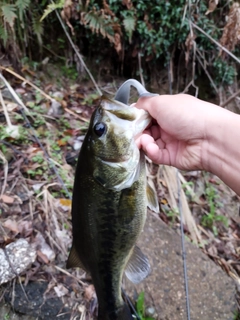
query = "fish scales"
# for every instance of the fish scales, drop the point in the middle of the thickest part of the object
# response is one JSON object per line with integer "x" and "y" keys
{"x": 107, "y": 222}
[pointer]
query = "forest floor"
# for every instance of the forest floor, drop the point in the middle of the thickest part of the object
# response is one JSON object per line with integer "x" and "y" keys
{"x": 38, "y": 155}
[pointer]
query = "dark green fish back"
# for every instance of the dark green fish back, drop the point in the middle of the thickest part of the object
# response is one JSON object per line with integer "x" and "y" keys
{"x": 106, "y": 224}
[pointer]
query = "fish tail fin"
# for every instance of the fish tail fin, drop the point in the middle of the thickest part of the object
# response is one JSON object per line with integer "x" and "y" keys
{"x": 123, "y": 313}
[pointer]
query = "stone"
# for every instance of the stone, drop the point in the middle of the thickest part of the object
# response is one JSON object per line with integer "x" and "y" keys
{"x": 18, "y": 257}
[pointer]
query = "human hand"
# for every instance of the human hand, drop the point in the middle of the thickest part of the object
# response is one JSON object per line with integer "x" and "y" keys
{"x": 181, "y": 130}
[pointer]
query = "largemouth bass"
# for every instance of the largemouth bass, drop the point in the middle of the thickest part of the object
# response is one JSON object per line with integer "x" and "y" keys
{"x": 109, "y": 205}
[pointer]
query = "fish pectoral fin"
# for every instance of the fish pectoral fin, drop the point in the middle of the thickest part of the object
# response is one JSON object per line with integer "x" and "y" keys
{"x": 152, "y": 199}
{"x": 138, "y": 266}
{"x": 74, "y": 260}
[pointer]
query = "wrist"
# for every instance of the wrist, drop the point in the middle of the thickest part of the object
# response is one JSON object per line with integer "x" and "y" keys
{"x": 221, "y": 151}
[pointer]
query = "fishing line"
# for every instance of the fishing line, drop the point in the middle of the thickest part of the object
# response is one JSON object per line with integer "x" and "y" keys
{"x": 184, "y": 255}
{"x": 130, "y": 304}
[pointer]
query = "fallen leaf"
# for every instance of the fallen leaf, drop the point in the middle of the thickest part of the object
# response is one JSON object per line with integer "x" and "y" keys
{"x": 11, "y": 225}
{"x": 60, "y": 290}
{"x": 65, "y": 202}
{"x": 89, "y": 293}
{"x": 62, "y": 142}
{"x": 25, "y": 228}
{"x": 7, "y": 199}
{"x": 12, "y": 106}
{"x": 42, "y": 256}
{"x": 42, "y": 246}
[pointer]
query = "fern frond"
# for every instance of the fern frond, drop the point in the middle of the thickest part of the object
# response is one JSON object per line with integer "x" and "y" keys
{"x": 22, "y": 5}
{"x": 9, "y": 15}
{"x": 37, "y": 28}
{"x": 3, "y": 35}
{"x": 98, "y": 23}
{"x": 51, "y": 7}
{"x": 129, "y": 25}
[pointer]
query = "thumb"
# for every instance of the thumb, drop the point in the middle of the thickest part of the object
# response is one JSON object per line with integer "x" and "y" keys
{"x": 149, "y": 104}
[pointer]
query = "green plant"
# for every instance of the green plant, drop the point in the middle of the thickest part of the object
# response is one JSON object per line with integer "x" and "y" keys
{"x": 90, "y": 98}
{"x": 140, "y": 307}
{"x": 209, "y": 220}
{"x": 17, "y": 25}
{"x": 38, "y": 158}
{"x": 236, "y": 315}
{"x": 6, "y": 316}
{"x": 173, "y": 214}
{"x": 69, "y": 72}
{"x": 225, "y": 73}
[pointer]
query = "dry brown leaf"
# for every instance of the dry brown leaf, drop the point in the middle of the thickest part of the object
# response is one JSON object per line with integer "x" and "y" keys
{"x": 60, "y": 290}
{"x": 25, "y": 228}
{"x": 117, "y": 43}
{"x": 107, "y": 9}
{"x": 231, "y": 31}
{"x": 212, "y": 5}
{"x": 67, "y": 14}
{"x": 42, "y": 256}
{"x": 11, "y": 225}
{"x": 127, "y": 3}
{"x": 6, "y": 199}
{"x": 89, "y": 293}
{"x": 189, "y": 44}
{"x": 43, "y": 247}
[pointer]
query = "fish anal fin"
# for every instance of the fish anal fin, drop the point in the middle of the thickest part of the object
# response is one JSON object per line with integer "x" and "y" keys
{"x": 74, "y": 260}
{"x": 152, "y": 199}
{"x": 138, "y": 266}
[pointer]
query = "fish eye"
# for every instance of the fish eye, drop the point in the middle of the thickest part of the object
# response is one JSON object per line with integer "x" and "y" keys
{"x": 100, "y": 128}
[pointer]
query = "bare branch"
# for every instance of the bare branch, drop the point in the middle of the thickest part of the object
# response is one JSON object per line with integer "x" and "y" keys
{"x": 230, "y": 99}
{"x": 216, "y": 42}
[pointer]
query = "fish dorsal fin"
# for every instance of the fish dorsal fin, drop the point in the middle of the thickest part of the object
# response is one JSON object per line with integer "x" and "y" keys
{"x": 138, "y": 266}
{"x": 74, "y": 260}
{"x": 152, "y": 200}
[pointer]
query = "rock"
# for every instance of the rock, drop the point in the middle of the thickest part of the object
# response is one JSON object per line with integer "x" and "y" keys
{"x": 18, "y": 256}
{"x": 211, "y": 291}
{"x": 34, "y": 304}
{"x": 56, "y": 109}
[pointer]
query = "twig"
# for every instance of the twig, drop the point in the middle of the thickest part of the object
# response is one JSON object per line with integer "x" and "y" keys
{"x": 77, "y": 53}
{"x": 5, "y": 172}
{"x": 207, "y": 73}
{"x": 194, "y": 55}
{"x": 217, "y": 43}
{"x": 5, "y": 111}
{"x": 140, "y": 69}
{"x": 70, "y": 275}
{"x": 76, "y": 115}
{"x": 24, "y": 80}
{"x": 230, "y": 99}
